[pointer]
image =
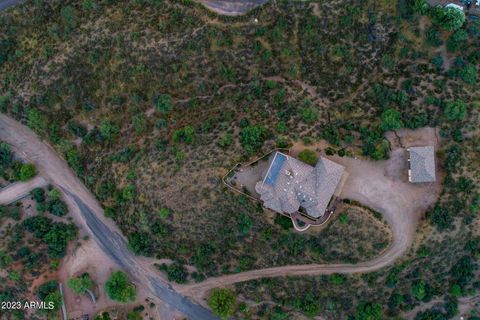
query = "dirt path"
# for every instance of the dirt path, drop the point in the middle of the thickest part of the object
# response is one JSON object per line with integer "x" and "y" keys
{"x": 18, "y": 190}
{"x": 88, "y": 215}
{"x": 382, "y": 186}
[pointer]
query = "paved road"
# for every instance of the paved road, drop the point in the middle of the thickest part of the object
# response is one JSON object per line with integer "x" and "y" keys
{"x": 88, "y": 213}
{"x": 18, "y": 190}
{"x": 4, "y": 4}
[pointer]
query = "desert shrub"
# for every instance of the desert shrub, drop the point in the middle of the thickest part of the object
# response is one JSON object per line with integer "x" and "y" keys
{"x": 81, "y": 284}
{"x": 27, "y": 171}
{"x": 39, "y": 195}
{"x": 141, "y": 243}
{"x": 309, "y": 115}
{"x": 226, "y": 140}
{"x": 369, "y": 311}
{"x": 118, "y": 287}
{"x": 253, "y": 137}
{"x": 449, "y": 19}
{"x": 108, "y": 129}
{"x": 57, "y": 207}
{"x": 175, "y": 272}
{"x": 244, "y": 224}
{"x": 433, "y": 37}
{"x": 308, "y": 156}
{"x": 55, "y": 234}
{"x": 418, "y": 290}
{"x": 457, "y": 40}
{"x": 455, "y": 110}
{"x": 222, "y": 302}
{"x": 163, "y": 103}
{"x": 441, "y": 217}
{"x": 185, "y": 134}
{"x": 139, "y": 123}
{"x": 391, "y": 120}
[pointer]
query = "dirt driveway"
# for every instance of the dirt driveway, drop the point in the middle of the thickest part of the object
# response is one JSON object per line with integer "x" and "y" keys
{"x": 232, "y": 7}
{"x": 381, "y": 185}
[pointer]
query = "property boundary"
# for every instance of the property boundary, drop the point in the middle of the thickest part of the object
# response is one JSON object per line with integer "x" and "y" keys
{"x": 293, "y": 217}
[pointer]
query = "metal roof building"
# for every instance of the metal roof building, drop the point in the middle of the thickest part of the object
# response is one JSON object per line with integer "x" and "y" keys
{"x": 421, "y": 164}
{"x": 290, "y": 184}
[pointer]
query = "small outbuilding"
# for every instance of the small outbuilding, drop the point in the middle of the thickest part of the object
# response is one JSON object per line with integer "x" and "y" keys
{"x": 421, "y": 164}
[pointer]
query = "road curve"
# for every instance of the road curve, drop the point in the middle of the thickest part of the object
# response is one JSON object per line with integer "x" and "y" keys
{"x": 88, "y": 213}
{"x": 232, "y": 7}
{"x": 379, "y": 185}
{"x": 224, "y": 7}
{"x": 18, "y": 190}
{"x": 4, "y": 4}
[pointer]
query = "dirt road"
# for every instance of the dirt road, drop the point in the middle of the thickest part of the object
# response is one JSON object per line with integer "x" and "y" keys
{"x": 380, "y": 185}
{"x": 232, "y": 7}
{"x": 18, "y": 190}
{"x": 88, "y": 214}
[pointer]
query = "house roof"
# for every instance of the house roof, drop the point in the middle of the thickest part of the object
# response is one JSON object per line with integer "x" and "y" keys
{"x": 422, "y": 164}
{"x": 290, "y": 184}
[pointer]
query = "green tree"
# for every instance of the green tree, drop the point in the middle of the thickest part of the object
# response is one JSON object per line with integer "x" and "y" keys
{"x": 391, "y": 120}
{"x": 457, "y": 40}
{"x": 118, "y": 287}
{"x": 185, "y": 134}
{"x": 456, "y": 290}
{"x": 222, "y": 301}
{"x": 36, "y": 121}
{"x": 54, "y": 297}
{"x": 163, "y": 103}
{"x": 309, "y": 115}
{"x": 139, "y": 123}
{"x": 27, "y": 172}
{"x": 455, "y": 110}
{"x": 244, "y": 224}
{"x": 419, "y": 290}
{"x": 369, "y": 311}
{"x": 57, "y": 207}
{"x": 128, "y": 192}
{"x": 226, "y": 140}
{"x": 338, "y": 279}
{"x": 308, "y": 156}
{"x": 108, "y": 129}
{"x": 449, "y": 19}
{"x": 253, "y": 137}
{"x": 81, "y": 284}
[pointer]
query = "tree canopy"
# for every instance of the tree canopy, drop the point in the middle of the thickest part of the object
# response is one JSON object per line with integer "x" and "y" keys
{"x": 118, "y": 287}
{"x": 81, "y": 284}
{"x": 222, "y": 301}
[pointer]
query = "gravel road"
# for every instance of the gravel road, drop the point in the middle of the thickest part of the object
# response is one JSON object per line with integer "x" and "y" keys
{"x": 89, "y": 214}
{"x": 380, "y": 185}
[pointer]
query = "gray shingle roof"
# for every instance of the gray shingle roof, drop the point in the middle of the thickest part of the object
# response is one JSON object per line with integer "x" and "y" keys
{"x": 296, "y": 184}
{"x": 422, "y": 164}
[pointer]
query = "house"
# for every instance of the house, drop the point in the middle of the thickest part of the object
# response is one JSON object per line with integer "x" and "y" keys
{"x": 421, "y": 164}
{"x": 454, "y": 6}
{"x": 290, "y": 185}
